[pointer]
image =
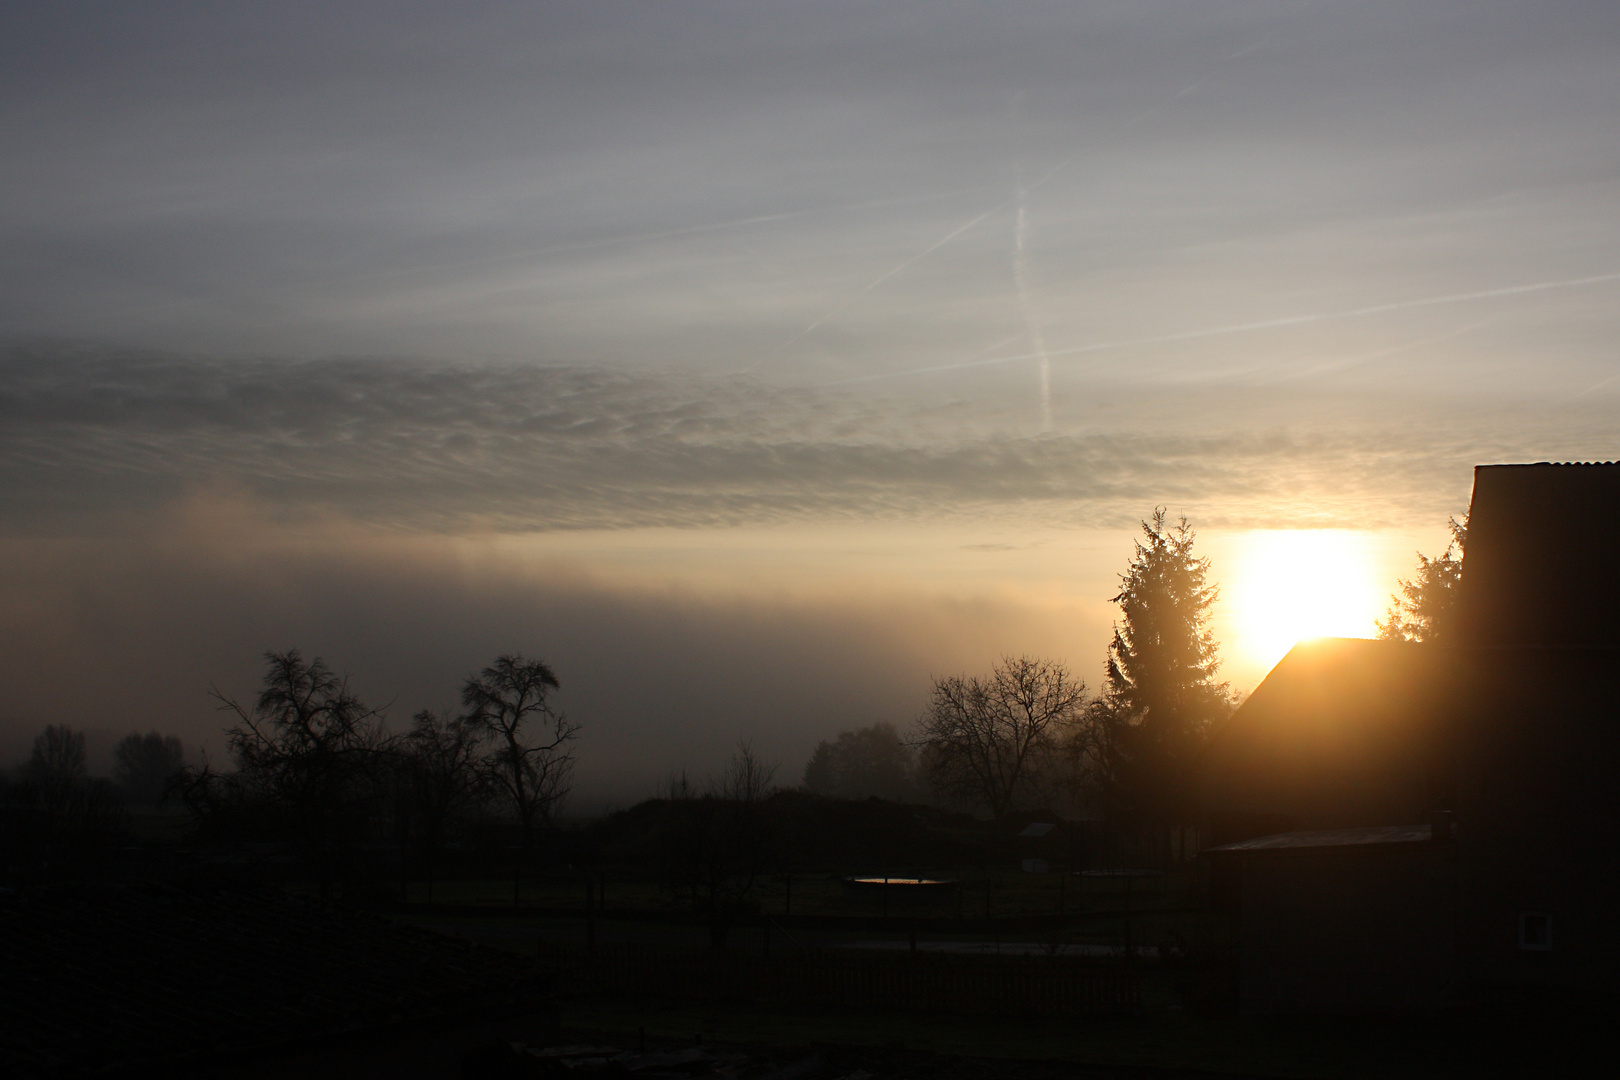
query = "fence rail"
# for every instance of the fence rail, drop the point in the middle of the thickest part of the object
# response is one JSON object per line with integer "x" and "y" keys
{"x": 1016, "y": 986}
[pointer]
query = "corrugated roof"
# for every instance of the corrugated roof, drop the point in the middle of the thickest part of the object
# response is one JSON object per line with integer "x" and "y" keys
{"x": 1335, "y": 838}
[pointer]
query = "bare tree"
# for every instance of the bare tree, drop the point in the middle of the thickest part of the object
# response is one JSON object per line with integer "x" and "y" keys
{"x": 719, "y": 843}
{"x": 143, "y": 764}
{"x": 746, "y": 780}
{"x": 442, "y": 778}
{"x": 57, "y": 762}
{"x": 56, "y": 816}
{"x": 309, "y": 753}
{"x": 533, "y": 760}
{"x": 992, "y": 741}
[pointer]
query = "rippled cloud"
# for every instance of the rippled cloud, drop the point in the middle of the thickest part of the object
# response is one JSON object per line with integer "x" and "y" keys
{"x": 457, "y": 447}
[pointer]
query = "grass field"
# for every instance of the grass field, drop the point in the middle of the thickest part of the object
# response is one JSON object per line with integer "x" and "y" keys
{"x": 1335, "y": 1049}
{"x": 1169, "y": 1029}
{"x": 998, "y": 893}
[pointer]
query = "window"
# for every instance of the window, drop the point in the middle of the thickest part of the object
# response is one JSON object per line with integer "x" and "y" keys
{"x": 1535, "y": 931}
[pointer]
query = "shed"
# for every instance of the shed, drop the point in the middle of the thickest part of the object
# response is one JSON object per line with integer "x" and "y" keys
{"x": 1345, "y": 920}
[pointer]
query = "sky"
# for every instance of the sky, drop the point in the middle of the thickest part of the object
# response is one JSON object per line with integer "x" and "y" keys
{"x": 756, "y": 363}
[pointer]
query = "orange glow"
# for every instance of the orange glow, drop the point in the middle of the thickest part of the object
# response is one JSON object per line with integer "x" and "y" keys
{"x": 1292, "y": 585}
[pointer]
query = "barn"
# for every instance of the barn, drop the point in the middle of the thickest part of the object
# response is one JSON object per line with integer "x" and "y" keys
{"x": 1416, "y": 827}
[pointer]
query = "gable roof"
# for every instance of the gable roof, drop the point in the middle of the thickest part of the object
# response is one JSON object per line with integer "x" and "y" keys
{"x": 1342, "y": 732}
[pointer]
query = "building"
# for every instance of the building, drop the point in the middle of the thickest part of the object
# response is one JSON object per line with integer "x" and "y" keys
{"x": 1407, "y": 827}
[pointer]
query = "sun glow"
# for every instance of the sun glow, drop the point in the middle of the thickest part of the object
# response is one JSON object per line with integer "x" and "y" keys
{"x": 1292, "y": 585}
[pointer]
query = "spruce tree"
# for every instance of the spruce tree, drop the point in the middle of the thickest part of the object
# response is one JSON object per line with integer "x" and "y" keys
{"x": 1161, "y": 697}
{"x": 1425, "y": 609}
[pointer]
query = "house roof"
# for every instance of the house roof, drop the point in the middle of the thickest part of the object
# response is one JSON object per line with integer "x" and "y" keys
{"x": 1319, "y": 839}
{"x": 1332, "y": 736}
{"x": 99, "y": 978}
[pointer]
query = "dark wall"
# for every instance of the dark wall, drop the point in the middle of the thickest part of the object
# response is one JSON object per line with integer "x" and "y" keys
{"x": 1539, "y": 567}
{"x": 1538, "y": 811}
{"x": 1348, "y": 930}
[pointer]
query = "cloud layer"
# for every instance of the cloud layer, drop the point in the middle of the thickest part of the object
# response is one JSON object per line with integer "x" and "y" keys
{"x": 458, "y": 447}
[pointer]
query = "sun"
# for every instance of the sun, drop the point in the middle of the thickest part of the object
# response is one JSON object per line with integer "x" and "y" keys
{"x": 1292, "y": 585}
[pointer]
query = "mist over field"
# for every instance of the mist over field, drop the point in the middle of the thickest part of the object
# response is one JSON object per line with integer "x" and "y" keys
{"x": 661, "y": 676}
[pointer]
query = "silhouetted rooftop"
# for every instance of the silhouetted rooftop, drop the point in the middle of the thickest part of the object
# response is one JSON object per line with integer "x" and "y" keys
{"x": 1539, "y": 567}
{"x": 1338, "y": 734}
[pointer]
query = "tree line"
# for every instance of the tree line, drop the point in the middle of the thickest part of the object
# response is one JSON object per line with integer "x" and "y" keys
{"x": 316, "y": 770}
{"x": 315, "y": 773}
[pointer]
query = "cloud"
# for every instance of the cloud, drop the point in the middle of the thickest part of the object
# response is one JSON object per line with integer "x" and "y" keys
{"x": 629, "y": 184}
{"x": 450, "y": 448}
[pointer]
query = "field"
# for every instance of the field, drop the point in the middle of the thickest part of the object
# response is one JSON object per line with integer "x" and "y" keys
{"x": 638, "y": 967}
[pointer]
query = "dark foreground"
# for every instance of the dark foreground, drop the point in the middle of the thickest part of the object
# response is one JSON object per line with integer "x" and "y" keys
{"x": 822, "y": 1062}
{"x": 242, "y": 981}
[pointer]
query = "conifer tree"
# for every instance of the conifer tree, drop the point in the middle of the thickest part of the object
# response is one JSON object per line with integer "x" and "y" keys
{"x": 1424, "y": 608}
{"x": 1161, "y": 696}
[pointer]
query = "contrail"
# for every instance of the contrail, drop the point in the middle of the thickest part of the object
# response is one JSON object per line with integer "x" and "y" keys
{"x": 1019, "y": 198}
{"x": 1241, "y": 328}
{"x": 935, "y": 246}
{"x": 566, "y": 247}
{"x": 641, "y": 238}
{"x": 881, "y": 278}
{"x": 1344, "y": 363}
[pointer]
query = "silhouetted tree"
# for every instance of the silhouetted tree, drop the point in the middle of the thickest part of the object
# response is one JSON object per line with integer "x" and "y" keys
{"x": 872, "y": 761}
{"x": 143, "y": 765}
{"x": 58, "y": 760}
{"x": 1425, "y": 608}
{"x": 443, "y": 777}
{"x": 992, "y": 742}
{"x": 533, "y": 761}
{"x": 1161, "y": 697}
{"x": 718, "y": 844}
{"x": 55, "y": 819}
{"x": 310, "y": 755}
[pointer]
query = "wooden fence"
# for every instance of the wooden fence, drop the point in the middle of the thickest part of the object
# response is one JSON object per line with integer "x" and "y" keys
{"x": 925, "y": 982}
